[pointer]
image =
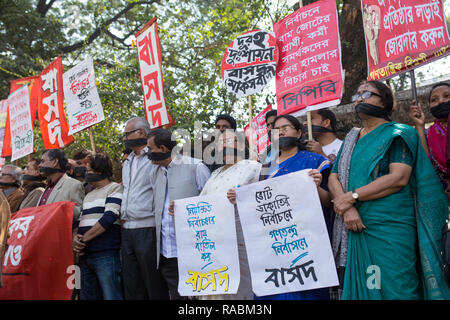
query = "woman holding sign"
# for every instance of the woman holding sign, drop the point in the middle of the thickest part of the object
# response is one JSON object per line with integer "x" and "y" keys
{"x": 435, "y": 138}
{"x": 388, "y": 196}
{"x": 292, "y": 158}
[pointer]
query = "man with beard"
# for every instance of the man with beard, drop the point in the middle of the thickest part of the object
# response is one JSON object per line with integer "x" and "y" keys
{"x": 33, "y": 185}
{"x": 141, "y": 278}
{"x": 11, "y": 185}
{"x": 60, "y": 187}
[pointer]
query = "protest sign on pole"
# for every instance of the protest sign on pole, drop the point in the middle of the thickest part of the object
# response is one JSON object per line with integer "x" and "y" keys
{"x": 84, "y": 108}
{"x": 403, "y": 35}
{"x": 38, "y": 263}
{"x": 309, "y": 73}
{"x": 208, "y": 260}
{"x": 20, "y": 123}
{"x": 260, "y": 131}
{"x": 33, "y": 89}
{"x": 52, "y": 119}
{"x": 3, "y": 113}
{"x": 285, "y": 235}
{"x": 150, "y": 65}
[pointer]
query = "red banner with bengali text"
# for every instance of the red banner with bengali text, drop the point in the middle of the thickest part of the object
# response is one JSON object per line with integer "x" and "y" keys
{"x": 39, "y": 260}
{"x": 260, "y": 131}
{"x": 52, "y": 119}
{"x": 403, "y": 35}
{"x": 309, "y": 73}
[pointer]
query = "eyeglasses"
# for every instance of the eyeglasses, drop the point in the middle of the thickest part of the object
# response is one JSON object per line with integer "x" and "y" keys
{"x": 126, "y": 134}
{"x": 284, "y": 128}
{"x": 364, "y": 95}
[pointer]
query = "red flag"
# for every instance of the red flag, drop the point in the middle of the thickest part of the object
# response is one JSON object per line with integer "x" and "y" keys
{"x": 39, "y": 259}
{"x": 52, "y": 119}
{"x": 33, "y": 89}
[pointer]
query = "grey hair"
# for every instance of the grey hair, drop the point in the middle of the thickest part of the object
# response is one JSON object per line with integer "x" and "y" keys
{"x": 140, "y": 123}
{"x": 16, "y": 172}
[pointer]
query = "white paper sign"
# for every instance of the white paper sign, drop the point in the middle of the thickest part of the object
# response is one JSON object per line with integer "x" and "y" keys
{"x": 285, "y": 235}
{"x": 208, "y": 260}
{"x": 20, "y": 123}
{"x": 84, "y": 108}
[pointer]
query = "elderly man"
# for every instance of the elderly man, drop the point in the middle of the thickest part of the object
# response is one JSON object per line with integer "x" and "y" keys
{"x": 60, "y": 187}
{"x": 141, "y": 278}
{"x": 33, "y": 184}
{"x": 175, "y": 177}
{"x": 11, "y": 185}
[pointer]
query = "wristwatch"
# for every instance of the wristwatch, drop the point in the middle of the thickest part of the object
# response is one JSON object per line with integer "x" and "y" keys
{"x": 355, "y": 195}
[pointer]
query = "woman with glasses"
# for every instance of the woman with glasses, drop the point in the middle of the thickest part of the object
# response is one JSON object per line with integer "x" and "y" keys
{"x": 435, "y": 138}
{"x": 390, "y": 207}
{"x": 292, "y": 158}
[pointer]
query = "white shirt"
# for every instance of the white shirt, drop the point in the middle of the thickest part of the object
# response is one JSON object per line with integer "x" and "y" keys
{"x": 332, "y": 148}
{"x": 168, "y": 240}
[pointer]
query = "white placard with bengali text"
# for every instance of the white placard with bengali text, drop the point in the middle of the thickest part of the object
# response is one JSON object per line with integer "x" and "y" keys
{"x": 287, "y": 242}
{"x": 20, "y": 123}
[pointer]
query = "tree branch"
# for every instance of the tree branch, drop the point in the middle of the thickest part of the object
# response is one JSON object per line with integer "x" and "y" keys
{"x": 43, "y": 7}
{"x": 103, "y": 28}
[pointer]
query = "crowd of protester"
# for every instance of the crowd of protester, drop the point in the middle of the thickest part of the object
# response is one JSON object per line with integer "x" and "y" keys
{"x": 382, "y": 190}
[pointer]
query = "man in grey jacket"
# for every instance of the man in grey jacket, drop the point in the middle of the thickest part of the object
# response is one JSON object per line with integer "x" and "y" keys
{"x": 141, "y": 278}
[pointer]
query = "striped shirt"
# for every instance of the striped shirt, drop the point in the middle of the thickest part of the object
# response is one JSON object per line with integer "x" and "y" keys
{"x": 103, "y": 206}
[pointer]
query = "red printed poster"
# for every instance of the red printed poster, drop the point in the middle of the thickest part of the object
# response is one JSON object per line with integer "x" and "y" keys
{"x": 403, "y": 35}
{"x": 3, "y": 113}
{"x": 249, "y": 62}
{"x": 260, "y": 131}
{"x": 309, "y": 73}
{"x": 52, "y": 119}
{"x": 33, "y": 89}
{"x": 39, "y": 262}
{"x": 150, "y": 64}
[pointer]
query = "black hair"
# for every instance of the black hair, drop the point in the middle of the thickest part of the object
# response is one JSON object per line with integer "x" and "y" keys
{"x": 271, "y": 113}
{"x": 328, "y": 114}
{"x": 387, "y": 97}
{"x": 227, "y": 118}
{"x": 58, "y": 154}
{"x": 80, "y": 155}
{"x": 127, "y": 151}
{"x": 440, "y": 84}
{"x": 102, "y": 164}
{"x": 162, "y": 137}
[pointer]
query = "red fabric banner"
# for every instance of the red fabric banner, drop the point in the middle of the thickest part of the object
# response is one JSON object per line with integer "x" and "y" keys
{"x": 309, "y": 74}
{"x": 52, "y": 119}
{"x": 260, "y": 131}
{"x": 33, "y": 89}
{"x": 403, "y": 35}
{"x": 40, "y": 254}
{"x": 150, "y": 65}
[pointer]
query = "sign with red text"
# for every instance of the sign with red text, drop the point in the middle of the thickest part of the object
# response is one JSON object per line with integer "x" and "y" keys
{"x": 150, "y": 65}
{"x": 84, "y": 108}
{"x": 52, "y": 119}
{"x": 403, "y": 35}
{"x": 20, "y": 123}
{"x": 3, "y": 114}
{"x": 40, "y": 254}
{"x": 260, "y": 131}
{"x": 249, "y": 62}
{"x": 309, "y": 74}
{"x": 33, "y": 89}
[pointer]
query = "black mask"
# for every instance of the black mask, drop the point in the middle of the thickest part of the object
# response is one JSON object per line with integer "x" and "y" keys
{"x": 50, "y": 170}
{"x": 287, "y": 142}
{"x": 441, "y": 111}
{"x": 94, "y": 177}
{"x": 79, "y": 171}
{"x": 371, "y": 110}
{"x": 32, "y": 178}
{"x": 133, "y": 143}
{"x": 158, "y": 156}
{"x": 9, "y": 184}
{"x": 320, "y": 129}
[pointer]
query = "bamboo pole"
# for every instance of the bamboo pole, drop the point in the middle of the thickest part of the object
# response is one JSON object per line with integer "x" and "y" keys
{"x": 91, "y": 137}
{"x": 250, "y": 119}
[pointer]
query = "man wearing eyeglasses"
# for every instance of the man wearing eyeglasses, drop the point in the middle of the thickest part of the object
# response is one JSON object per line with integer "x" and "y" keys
{"x": 141, "y": 278}
{"x": 11, "y": 185}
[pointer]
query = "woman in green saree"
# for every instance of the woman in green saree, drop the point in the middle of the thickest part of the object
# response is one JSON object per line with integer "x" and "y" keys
{"x": 390, "y": 207}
